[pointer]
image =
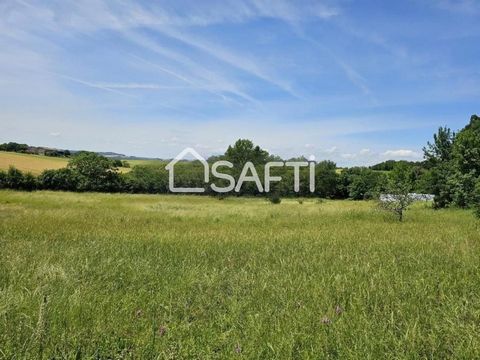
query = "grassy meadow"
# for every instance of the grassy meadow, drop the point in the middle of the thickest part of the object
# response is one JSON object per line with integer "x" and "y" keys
{"x": 173, "y": 277}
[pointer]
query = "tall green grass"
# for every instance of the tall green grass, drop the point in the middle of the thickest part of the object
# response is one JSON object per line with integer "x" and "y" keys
{"x": 137, "y": 276}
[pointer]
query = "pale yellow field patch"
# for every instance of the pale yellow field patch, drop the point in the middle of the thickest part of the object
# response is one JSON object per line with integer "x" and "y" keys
{"x": 30, "y": 163}
{"x": 35, "y": 164}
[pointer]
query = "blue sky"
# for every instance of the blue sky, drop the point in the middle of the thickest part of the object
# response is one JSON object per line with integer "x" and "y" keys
{"x": 356, "y": 82}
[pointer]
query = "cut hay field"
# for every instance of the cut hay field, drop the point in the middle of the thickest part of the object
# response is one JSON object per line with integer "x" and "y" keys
{"x": 30, "y": 163}
{"x": 174, "y": 277}
{"x": 35, "y": 164}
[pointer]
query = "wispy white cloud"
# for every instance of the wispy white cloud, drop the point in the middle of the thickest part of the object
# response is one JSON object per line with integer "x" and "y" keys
{"x": 194, "y": 72}
{"x": 134, "y": 86}
{"x": 348, "y": 156}
{"x": 243, "y": 62}
{"x": 202, "y": 13}
{"x": 401, "y": 153}
{"x": 331, "y": 150}
{"x": 94, "y": 85}
{"x": 354, "y": 77}
{"x": 114, "y": 89}
{"x": 202, "y": 78}
{"x": 128, "y": 16}
{"x": 350, "y": 73}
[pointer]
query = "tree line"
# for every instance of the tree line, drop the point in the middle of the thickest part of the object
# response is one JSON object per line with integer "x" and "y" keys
{"x": 452, "y": 161}
{"x": 88, "y": 171}
{"x": 37, "y": 150}
{"x": 450, "y": 171}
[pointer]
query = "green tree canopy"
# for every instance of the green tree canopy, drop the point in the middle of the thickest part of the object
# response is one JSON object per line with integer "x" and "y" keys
{"x": 94, "y": 172}
{"x": 441, "y": 148}
{"x": 243, "y": 151}
{"x": 466, "y": 150}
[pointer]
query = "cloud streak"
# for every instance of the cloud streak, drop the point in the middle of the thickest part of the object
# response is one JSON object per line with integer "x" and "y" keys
{"x": 401, "y": 153}
{"x": 243, "y": 63}
{"x": 136, "y": 86}
{"x": 295, "y": 76}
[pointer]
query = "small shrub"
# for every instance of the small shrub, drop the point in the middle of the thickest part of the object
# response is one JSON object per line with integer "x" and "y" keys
{"x": 14, "y": 178}
{"x": 29, "y": 183}
{"x": 117, "y": 163}
{"x": 275, "y": 199}
{"x": 400, "y": 185}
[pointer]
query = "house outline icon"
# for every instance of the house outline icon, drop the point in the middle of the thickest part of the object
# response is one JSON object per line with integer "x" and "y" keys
{"x": 171, "y": 172}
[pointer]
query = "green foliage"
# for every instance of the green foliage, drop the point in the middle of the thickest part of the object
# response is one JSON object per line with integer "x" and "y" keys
{"x": 61, "y": 179}
{"x": 116, "y": 163}
{"x": 439, "y": 184}
{"x": 189, "y": 174}
{"x": 274, "y": 198}
{"x": 384, "y": 166}
{"x": 390, "y": 164}
{"x": 401, "y": 179}
{"x": 24, "y": 148}
{"x": 56, "y": 153}
{"x": 454, "y": 161}
{"x": 460, "y": 187}
{"x": 361, "y": 183}
{"x": 147, "y": 179}
{"x": 438, "y": 157}
{"x": 16, "y": 179}
{"x": 14, "y": 147}
{"x": 94, "y": 172}
{"x": 326, "y": 179}
{"x": 450, "y": 172}
{"x": 400, "y": 185}
{"x": 440, "y": 151}
{"x": 29, "y": 182}
{"x": 3, "y": 180}
{"x": 243, "y": 151}
{"x": 466, "y": 149}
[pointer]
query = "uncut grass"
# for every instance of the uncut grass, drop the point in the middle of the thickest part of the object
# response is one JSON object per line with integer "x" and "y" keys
{"x": 196, "y": 277}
